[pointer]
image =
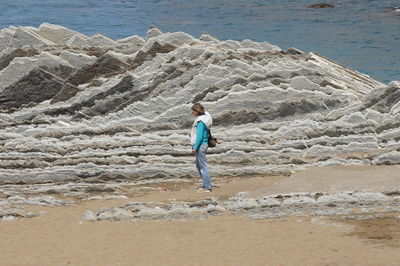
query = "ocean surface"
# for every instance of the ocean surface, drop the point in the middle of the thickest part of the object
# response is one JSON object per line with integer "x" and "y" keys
{"x": 360, "y": 34}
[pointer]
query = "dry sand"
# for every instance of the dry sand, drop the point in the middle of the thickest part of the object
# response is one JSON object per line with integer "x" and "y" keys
{"x": 63, "y": 237}
{"x": 337, "y": 178}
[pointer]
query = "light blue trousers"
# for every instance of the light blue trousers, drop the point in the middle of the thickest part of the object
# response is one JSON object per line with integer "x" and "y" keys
{"x": 202, "y": 166}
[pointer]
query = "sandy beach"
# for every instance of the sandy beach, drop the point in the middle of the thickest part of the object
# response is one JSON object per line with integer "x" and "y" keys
{"x": 61, "y": 236}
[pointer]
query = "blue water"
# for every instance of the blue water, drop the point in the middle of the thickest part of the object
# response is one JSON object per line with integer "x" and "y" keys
{"x": 357, "y": 33}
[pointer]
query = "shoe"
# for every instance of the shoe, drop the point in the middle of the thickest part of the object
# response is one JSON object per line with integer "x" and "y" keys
{"x": 203, "y": 190}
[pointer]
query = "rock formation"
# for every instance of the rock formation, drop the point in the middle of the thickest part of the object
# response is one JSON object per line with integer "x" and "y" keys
{"x": 75, "y": 107}
{"x": 340, "y": 204}
{"x": 321, "y": 5}
{"x": 395, "y": 9}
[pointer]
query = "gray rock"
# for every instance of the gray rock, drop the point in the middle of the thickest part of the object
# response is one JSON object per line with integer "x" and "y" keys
{"x": 329, "y": 212}
{"x": 32, "y": 215}
{"x": 114, "y": 214}
{"x": 269, "y": 202}
{"x": 336, "y": 198}
{"x": 390, "y": 158}
{"x": 298, "y": 214}
{"x": 151, "y": 213}
{"x": 106, "y": 215}
{"x": 81, "y": 107}
{"x": 205, "y": 37}
{"x": 390, "y": 209}
{"x": 298, "y": 201}
{"x": 267, "y": 215}
{"x": 12, "y": 212}
{"x": 90, "y": 216}
{"x": 77, "y": 59}
{"x": 17, "y": 199}
{"x": 55, "y": 33}
{"x": 107, "y": 197}
{"x": 25, "y": 36}
{"x": 42, "y": 200}
{"x": 20, "y": 67}
{"x": 153, "y": 32}
{"x": 133, "y": 40}
{"x": 370, "y": 197}
{"x": 374, "y": 115}
{"x": 368, "y": 210}
{"x": 9, "y": 218}
{"x": 395, "y": 109}
{"x": 245, "y": 204}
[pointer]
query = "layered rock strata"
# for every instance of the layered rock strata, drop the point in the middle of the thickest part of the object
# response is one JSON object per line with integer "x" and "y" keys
{"x": 75, "y": 107}
{"x": 355, "y": 192}
{"x": 349, "y": 204}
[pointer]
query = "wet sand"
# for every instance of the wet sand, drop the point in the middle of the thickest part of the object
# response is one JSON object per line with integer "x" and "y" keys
{"x": 62, "y": 237}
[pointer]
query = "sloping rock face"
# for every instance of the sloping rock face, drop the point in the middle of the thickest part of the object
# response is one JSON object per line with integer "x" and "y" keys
{"x": 75, "y": 107}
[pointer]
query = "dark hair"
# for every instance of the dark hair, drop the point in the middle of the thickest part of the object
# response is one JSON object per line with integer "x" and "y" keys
{"x": 198, "y": 108}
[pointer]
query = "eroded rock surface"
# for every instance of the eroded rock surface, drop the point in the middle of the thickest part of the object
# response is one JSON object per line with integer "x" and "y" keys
{"x": 75, "y": 107}
{"x": 267, "y": 207}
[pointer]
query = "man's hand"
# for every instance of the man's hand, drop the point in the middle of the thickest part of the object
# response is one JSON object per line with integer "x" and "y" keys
{"x": 193, "y": 151}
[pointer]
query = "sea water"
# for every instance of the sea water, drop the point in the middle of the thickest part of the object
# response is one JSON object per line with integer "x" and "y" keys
{"x": 361, "y": 34}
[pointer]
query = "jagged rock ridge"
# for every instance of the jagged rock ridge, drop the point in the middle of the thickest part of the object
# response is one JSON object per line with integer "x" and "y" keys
{"x": 77, "y": 107}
